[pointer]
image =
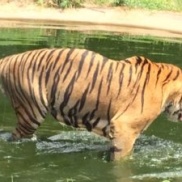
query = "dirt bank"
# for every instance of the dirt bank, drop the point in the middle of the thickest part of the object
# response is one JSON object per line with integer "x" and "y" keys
{"x": 133, "y": 21}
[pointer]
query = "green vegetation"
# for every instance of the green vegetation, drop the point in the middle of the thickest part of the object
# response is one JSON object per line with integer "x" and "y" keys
{"x": 171, "y": 5}
{"x": 174, "y": 5}
{"x": 61, "y": 3}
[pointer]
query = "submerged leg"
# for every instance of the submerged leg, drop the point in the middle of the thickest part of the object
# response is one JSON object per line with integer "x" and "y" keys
{"x": 123, "y": 137}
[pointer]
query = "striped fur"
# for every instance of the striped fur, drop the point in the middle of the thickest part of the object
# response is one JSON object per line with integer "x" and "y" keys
{"x": 115, "y": 99}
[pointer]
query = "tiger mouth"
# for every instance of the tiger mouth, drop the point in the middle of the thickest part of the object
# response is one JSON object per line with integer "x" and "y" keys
{"x": 167, "y": 109}
{"x": 176, "y": 114}
{"x": 180, "y": 116}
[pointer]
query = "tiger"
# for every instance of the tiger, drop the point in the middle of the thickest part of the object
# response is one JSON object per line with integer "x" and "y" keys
{"x": 84, "y": 89}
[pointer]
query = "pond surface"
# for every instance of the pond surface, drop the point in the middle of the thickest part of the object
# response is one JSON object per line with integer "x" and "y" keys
{"x": 62, "y": 154}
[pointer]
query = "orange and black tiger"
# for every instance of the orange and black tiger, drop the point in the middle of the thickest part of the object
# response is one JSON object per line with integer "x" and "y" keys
{"x": 115, "y": 99}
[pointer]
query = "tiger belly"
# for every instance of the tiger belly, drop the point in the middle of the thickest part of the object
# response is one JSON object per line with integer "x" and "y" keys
{"x": 85, "y": 120}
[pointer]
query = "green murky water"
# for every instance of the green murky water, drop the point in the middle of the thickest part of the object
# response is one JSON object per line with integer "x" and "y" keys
{"x": 62, "y": 154}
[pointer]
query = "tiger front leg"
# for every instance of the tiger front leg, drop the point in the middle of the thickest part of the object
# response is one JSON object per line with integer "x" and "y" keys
{"x": 123, "y": 137}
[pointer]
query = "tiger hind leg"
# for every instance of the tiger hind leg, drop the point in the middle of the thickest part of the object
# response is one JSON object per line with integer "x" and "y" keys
{"x": 30, "y": 117}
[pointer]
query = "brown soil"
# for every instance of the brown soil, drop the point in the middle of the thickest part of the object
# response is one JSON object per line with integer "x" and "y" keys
{"x": 133, "y": 21}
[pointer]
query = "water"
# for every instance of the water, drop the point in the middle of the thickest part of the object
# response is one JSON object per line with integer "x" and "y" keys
{"x": 62, "y": 154}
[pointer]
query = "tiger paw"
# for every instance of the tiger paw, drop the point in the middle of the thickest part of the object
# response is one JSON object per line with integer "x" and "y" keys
{"x": 115, "y": 153}
{"x": 33, "y": 138}
{"x": 13, "y": 138}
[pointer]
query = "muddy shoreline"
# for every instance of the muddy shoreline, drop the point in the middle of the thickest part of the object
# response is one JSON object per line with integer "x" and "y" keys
{"x": 132, "y": 21}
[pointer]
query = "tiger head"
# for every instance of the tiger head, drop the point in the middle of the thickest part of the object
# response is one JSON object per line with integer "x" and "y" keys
{"x": 173, "y": 110}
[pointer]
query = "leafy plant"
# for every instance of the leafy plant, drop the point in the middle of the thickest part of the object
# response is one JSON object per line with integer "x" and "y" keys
{"x": 60, "y": 3}
{"x": 69, "y": 3}
{"x": 119, "y": 2}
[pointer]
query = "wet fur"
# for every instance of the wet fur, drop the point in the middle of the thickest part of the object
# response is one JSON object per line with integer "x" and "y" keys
{"x": 115, "y": 99}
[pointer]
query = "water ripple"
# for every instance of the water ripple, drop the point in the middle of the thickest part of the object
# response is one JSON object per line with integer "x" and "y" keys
{"x": 72, "y": 141}
{"x": 161, "y": 175}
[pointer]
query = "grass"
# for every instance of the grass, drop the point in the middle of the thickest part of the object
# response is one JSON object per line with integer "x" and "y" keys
{"x": 61, "y": 3}
{"x": 170, "y": 5}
